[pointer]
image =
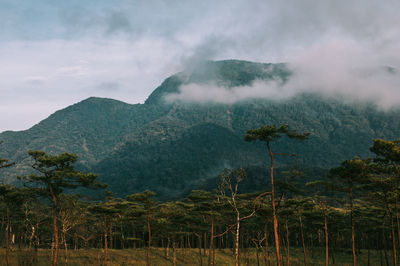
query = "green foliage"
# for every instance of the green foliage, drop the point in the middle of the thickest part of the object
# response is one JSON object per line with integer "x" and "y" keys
{"x": 57, "y": 174}
{"x": 272, "y": 133}
{"x": 172, "y": 148}
{"x": 125, "y": 223}
{"x": 389, "y": 150}
{"x": 4, "y": 162}
{"x": 350, "y": 174}
{"x": 12, "y": 196}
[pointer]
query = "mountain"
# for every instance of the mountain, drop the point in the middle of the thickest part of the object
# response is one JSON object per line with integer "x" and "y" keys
{"x": 172, "y": 146}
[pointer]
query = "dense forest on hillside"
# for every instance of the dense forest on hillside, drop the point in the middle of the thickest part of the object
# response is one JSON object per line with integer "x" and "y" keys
{"x": 173, "y": 147}
{"x": 353, "y": 208}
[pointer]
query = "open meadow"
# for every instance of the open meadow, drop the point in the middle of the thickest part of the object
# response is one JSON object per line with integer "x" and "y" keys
{"x": 159, "y": 256}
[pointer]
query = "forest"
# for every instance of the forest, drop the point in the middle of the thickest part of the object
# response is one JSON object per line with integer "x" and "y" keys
{"x": 351, "y": 213}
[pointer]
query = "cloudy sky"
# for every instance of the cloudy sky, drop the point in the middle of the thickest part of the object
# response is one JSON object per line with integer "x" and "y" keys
{"x": 54, "y": 53}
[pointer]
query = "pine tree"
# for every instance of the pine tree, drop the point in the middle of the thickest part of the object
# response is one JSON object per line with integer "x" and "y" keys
{"x": 105, "y": 211}
{"x": 270, "y": 134}
{"x": 389, "y": 151}
{"x": 145, "y": 199}
{"x": 56, "y": 174}
{"x": 13, "y": 199}
{"x": 349, "y": 176}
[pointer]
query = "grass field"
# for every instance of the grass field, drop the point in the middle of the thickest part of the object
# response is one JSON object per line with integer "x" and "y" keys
{"x": 91, "y": 257}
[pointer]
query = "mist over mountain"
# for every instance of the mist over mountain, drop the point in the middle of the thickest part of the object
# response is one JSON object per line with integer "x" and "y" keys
{"x": 191, "y": 126}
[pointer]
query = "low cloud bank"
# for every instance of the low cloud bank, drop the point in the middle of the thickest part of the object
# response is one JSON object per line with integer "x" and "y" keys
{"x": 55, "y": 53}
{"x": 335, "y": 67}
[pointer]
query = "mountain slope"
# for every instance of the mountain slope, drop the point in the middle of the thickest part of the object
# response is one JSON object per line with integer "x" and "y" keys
{"x": 155, "y": 158}
{"x": 174, "y": 146}
{"x": 174, "y": 163}
{"x": 90, "y": 128}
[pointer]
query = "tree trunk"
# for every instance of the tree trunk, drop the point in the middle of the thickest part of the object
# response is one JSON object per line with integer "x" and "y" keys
{"x": 352, "y": 227}
{"x": 267, "y": 261}
{"x": 122, "y": 239}
{"x": 288, "y": 244}
{"x": 312, "y": 245}
{"x": 149, "y": 238}
{"x": 35, "y": 257}
{"x": 3, "y": 222}
{"x": 167, "y": 249}
{"x": 393, "y": 234}
{"x": 164, "y": 246}
{"x": 105, "y": 242}
{"x": 31, "y": 240}
{"x": 199, "y": 244}
{"x": 65, "y": 245}
{"x": 257, "y": 253}
{"x": 248, "y": 256}
{"x": 237, "y": 239}
{"x": 7, "y": 238}
{"x": 326, "y": 240}
{"x": 275, "y": 220}
{"x": 134, "y": 234}
{"x": 205, "y": 243}
{"x": 213, "y": 251}
{"x": 55, "y": 237}
{"x": 384, "y": 242}
{"x": 211, "y": 242}
{"x": 333, "y": 251}
{"x": 173, "y": 254}
{"x": 283, "y": 248}
{"x": 55, "y": 230}
{"x": 397, "y": 221}
{"x": 111, "y": 237}
{"x": 240, "y": 250}
{"x": 183, "y": 249}
{"x": 227, "y": 240}
{"x": 302, "y": 241}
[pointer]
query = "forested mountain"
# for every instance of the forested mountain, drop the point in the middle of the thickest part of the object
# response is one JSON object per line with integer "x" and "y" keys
{"x": 174, "y": 146}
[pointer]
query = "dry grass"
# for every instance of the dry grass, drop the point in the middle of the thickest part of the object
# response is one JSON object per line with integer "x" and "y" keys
{"x": 92, "y": 257}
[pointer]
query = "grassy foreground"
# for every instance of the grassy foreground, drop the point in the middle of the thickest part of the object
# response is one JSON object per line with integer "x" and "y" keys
{"x": 186, "y": 257}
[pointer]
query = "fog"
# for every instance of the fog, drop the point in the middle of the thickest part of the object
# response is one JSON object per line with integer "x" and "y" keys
{"x": 333, "y": 68}
{"x": 56, "y": 53}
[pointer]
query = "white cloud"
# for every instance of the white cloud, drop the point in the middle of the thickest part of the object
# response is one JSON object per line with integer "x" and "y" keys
{"x": 65, "y": 51}
{"x": 57, "y": 73}
{"x": 211, "y": 93}
{"x": 335, "y": 66}
{"x": 341, "y": 66}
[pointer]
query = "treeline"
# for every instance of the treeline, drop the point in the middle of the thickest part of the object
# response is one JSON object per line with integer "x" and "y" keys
{"x": 354, "y": 208}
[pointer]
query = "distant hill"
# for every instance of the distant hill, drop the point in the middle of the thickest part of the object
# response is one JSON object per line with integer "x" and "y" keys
{"x": 174, "y": 146}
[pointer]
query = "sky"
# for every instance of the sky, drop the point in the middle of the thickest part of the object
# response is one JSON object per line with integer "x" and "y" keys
{"x": 54, "y": 53}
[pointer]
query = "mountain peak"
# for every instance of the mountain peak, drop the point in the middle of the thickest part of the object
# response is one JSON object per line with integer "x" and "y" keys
{"x": 100, "y": 100}
{"x": 157, "y": 146}
{"x": 227, "y": 73}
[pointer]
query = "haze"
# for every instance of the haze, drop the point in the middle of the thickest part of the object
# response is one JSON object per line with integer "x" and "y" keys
{"x": 56, "y": 53}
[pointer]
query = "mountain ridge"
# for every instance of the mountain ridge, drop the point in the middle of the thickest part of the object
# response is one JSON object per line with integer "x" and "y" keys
{"x": 145, "y": 146}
